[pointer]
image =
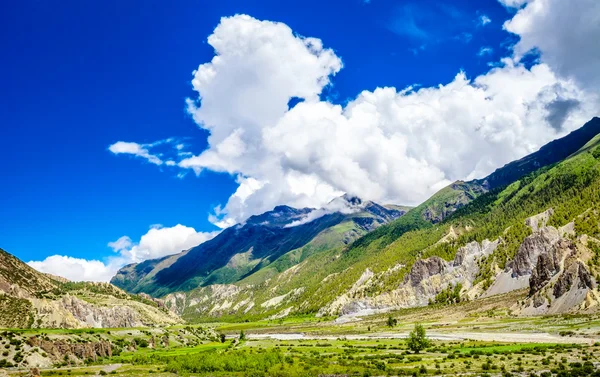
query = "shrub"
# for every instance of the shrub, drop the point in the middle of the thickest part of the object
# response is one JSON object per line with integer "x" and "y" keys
{"x": 417, "y": 339}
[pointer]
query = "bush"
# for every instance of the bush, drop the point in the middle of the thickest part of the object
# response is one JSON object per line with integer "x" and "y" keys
{"x": 417, "y": 339}
{"x": 392, "y": 322}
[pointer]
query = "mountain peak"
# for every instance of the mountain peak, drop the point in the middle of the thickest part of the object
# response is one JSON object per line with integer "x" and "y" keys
{"x": 280, "y": 216}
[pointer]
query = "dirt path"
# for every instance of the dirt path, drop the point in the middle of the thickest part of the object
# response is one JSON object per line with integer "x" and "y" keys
{"x": 111, "y": 367}
{"x": 505, "y": 337}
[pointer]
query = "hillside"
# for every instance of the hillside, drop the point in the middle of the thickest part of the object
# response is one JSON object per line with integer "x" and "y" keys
{"x": 30, "y": 299}
{"x": 257, "y": 246}
{"x": 537, "y": 233}
{"x": 446, "y": 201}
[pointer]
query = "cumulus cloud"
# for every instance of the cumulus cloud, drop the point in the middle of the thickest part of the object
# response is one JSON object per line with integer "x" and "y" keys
{"x": 565, "y": 33}
{"x": 387, "y": 145}
{"x": 75, "y": 269}
{"x": 157, "y": 242}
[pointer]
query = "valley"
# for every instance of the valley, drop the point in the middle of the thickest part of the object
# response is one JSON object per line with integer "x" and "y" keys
{"x": 501, "y": 273}
{"x": 464, "y": 339}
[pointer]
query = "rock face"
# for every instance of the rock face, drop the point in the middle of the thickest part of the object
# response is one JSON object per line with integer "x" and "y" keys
{"x": 425, "y": 268}
{"x": 552, "y": 266}
{"x": 83, "y": 351}
{"x": 539, "y": 243}
{"x": 426, "y": 279}
{"x": 547, "y": 266}
{"x": 550, "y": 263}
{"x": 575, "y": 275}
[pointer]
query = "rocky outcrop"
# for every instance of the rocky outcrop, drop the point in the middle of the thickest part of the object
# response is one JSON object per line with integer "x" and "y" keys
{"x": 540, "y": 220}
{"x": 425, "y": 268}
{"x": 575, "y": 275}
{"x": 117, "y": 316}
{"x": 533, "y": 246}
{"x": 426, "y": 279}
{"x": 553, "y": 265}
{"x": 549, "y": 264}
{"x": 83, "y": 351}
{"x": 32, "y": 299}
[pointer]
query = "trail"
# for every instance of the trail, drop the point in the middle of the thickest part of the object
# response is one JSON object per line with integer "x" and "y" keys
{"x": 504, "y": 337}
{"x": 111, "y": 367}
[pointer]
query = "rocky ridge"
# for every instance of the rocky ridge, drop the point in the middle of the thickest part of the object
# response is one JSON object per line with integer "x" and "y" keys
{"x": 31, "y": 299}
{"x": 550, "y": 263}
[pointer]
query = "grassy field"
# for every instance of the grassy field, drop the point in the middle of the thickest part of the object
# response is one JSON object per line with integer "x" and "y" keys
{"x": 554, "y": 345}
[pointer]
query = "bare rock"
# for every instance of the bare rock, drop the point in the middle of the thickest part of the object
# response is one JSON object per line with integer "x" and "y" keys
{"x": 424, "y": 268}
{"x": 532, "y": 247}
{"x": 548, "y": 264}
{"x": 575, "y": 273}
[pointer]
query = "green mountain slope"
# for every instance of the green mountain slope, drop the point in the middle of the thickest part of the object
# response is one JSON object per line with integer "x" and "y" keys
{"x": 443, "y": 203}
{"x": 411, "y": 260}
{"x": 272, "y": 241}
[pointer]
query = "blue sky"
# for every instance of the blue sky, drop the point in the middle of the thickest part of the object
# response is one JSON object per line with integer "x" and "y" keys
{"x": 81, "y": 76}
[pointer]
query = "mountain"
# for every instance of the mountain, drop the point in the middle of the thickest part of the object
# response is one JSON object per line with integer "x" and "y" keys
{"x": 245, "y": 249}
{"x": 29, "y": 298}
{"x": 443, "y": 203}
{"x": 549, "y": 154}
{"x": 537, "y": 235}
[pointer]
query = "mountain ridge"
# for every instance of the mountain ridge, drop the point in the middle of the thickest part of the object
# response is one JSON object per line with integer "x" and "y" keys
{"x": 243, "y": 249}
{"x": 29, "y": 298}
{"x": 468, "y": 233}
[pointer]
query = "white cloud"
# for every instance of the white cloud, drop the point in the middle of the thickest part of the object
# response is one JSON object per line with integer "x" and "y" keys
{"x": 148, "y": 151}
{"x": 157, "y": 242}
{"x": 566, "y": 33}
{"x": 485, "y": 50}
{"x": 483, "y": 20}
{"x": 138, "y": 150}
{"x": 75, "y": 269}
{"x": 386, "y": 145}
{"x": 513, "y": 3}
